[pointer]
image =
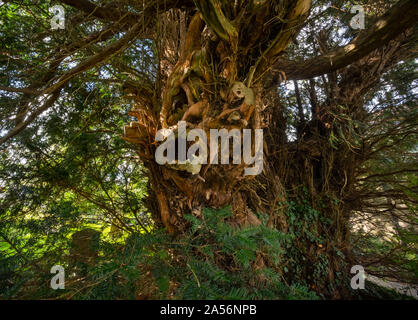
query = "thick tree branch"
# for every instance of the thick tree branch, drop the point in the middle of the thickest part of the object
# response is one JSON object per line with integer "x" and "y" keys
{"x": 400, "y": 18}
{"x": 105, "y": 13}
{"x": 211, "y": 11}
{"x": 111, "y": 12}
{"x": 298, "y": 12}
{"x": 20, "y": 90}
{"x": 22, "y": 125}
{"x": 90, "y": 62}
{"x": 98, "y": 58}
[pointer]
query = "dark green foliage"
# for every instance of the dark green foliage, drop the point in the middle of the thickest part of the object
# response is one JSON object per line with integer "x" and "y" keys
{"x": 214, "y": 261}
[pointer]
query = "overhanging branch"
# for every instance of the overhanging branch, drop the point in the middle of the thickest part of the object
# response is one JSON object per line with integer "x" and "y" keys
{"x": 104, "y": 13}
{"x": 400, "y": 18}
{"x": 98, "y": 58}
{"x": 90, "y": 62}
{"x": 111, "y": 13}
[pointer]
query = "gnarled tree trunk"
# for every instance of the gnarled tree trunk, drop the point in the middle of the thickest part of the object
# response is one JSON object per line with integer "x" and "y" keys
{"x": 216, "y": 83}
{"x": 227, "y": 63}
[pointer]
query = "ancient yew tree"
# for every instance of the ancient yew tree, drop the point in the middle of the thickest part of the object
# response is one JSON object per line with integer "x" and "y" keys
{"x": 319, "y": 89}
